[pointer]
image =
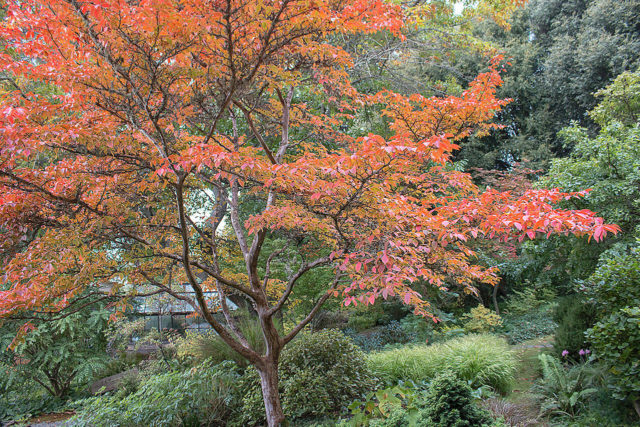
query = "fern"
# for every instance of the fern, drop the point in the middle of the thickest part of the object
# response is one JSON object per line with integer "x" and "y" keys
{"x": 565, "y": 389}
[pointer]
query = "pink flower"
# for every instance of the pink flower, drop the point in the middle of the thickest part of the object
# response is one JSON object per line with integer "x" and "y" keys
{"x": 565, "y": 353}
{"x": 587, "y": 351}
{"x": 581, "y": 352}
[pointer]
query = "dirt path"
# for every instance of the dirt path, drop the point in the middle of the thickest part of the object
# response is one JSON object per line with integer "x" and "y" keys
{"x": 46, "y": 420}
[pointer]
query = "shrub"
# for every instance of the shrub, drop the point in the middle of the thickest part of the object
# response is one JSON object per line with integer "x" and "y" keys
{"x": 366, "y": 341}
{"x": 604, "y": 410}
{"x": 481, "y": 359}
{"x": 319, "y": 373}
{"x": 329, "y": 320}
{"x": 399, "y": 417}
{"x": 418, "y": 327}
{"x": 573, "y": 317}
{"x": 60, "y": 355}
{"x": 448, "y": 332}
{"x": 531, "y": 298}
{"x": 394, "y": 333}
{"x": 200, "y": 396}
{"x": 390, "y": 406}
{"x": 447, "y": 401}
{"x": 616, "y": 340}
{"x": 481, "y": 320}
{"x": 615, "y": 288}
{"x": 449, "y": 404}
{"x": 21, "y": 399}
{"x": 365, "y": 317}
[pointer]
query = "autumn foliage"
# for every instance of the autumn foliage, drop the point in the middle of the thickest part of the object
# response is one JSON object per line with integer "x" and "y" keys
{"x": 134, "y": 132}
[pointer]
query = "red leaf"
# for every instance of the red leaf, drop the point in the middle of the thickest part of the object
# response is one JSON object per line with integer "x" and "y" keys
{"x": 384, "y": 258}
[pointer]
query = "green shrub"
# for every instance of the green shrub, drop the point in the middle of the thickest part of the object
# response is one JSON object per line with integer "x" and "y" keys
{"x": 481, "y": 320}
{"x": 60, "y": 355}
{"x": 392, "y": 333}
{"x": 530, "y": 298}
{"x": 202, "y": 396}
{"x": 573, "y": 316}
{"x": 615, "y": 288}
{"x": 418, "y": 327}
{"x": 447, "y": 401}
{"x": 399, "y": 417}
{"x": 616, "y": 340}
{"x": 449, "y": 404}
{"x": 326, "y": 319}
{"x": 387, "y": 406}
{"x": 21, "y": 399}
{"x": 319, "y": 374}
{"x": 370, "y": 341}
{"x": 604, "y": 410}
{"x": 481, "y": 359}
{"x": 365, "y": 317}
{"x": 448, "y": 332}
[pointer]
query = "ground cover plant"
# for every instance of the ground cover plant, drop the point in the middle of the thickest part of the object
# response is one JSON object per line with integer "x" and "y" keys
{"x": 533, "y": 324}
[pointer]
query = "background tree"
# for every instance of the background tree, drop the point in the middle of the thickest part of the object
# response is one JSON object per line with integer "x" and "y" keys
{"x": 607, "y": 164}
{"x": 430, "y": 58}
{"x": 167, "y": 117}
{"x": 562, "y": 52}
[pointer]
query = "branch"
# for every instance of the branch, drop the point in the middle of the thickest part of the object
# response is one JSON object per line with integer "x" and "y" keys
{"x": 252, "y": 126}
{"x": 292, "y": 281}
{"x": 286, "y": 108}
{"x": 245, "y": 290}
{"x": 291, "y": 335}
{"x": 168, "y": 290}
{"x": 268, "y": 265}
{"x": 247, "y": 352}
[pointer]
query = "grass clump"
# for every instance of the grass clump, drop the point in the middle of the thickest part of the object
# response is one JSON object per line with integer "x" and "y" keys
{"x": 481, "y": 359}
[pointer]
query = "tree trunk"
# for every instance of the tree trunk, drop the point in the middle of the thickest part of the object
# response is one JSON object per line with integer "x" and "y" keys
{"x": 270, "y": 394}
{"x": 494, "y": 297}
{"x": 636, "y": 406}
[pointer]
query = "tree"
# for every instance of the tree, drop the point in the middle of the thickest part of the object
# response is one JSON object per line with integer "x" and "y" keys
{"x": 609, "y": 164}
{"x": 427, "y": 60}
{"x": 167, "y": 116}
{"x": 562, "y": 51}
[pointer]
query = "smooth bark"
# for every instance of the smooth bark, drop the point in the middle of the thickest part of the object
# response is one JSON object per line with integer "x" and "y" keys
{"x": 270, "y": 394}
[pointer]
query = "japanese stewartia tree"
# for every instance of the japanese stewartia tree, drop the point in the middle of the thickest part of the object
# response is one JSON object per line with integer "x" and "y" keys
{"x": 176, "y": 134}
